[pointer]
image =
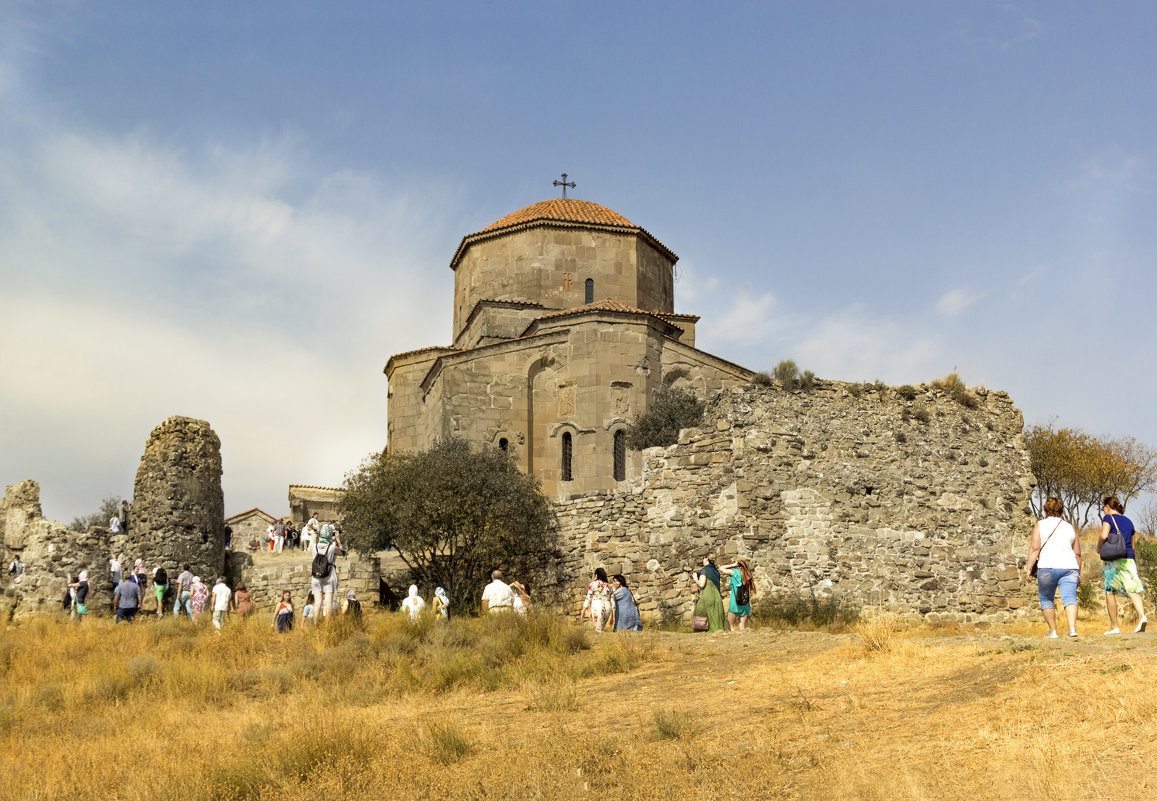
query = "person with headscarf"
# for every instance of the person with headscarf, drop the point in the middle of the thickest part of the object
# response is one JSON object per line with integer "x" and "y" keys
{"x": 742, "y": 586}
{"x": 351, "y": 605}
{"x": 709, "y": 605}
{"x": 441, "y": 604}
{"x": 626, "y": 612}
{"x": 413, "y": 603}
{"x": 599, "y": 604}
{"x": 521, "y": 598}
{"x": 198, "y": 598}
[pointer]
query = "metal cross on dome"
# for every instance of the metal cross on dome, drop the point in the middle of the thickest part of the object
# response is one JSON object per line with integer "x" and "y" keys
{"x": 564, "y": 185}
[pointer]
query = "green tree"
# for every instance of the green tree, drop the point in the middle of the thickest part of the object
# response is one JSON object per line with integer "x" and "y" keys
{"x": 670, "y": 410}
{"x": 453, "y": 513}
{"x": 109, "y": 506}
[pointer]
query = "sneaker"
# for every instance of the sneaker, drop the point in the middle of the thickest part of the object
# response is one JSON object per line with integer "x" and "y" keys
{"x": 1141, "y": 626}
{"x": 1112, "y": 631}
{"x": 1052, "y": 635}
{"x": 1073, "y": 633}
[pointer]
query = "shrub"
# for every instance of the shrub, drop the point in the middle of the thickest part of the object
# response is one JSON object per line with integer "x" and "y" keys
{"x": 907, "y": 392}
{"x": 922, "y": 414}
{"x": 444, "y": 740}
{"x": 877, "y": 632}
{"x": 808, "y": 610}
{"x": 555, "y": 696}
{"x": 762, "y": 379}
{"x": 676, "y": 724}
{"x": 954, "y": 386}
{"x": 855, "y": 390}
{"x": 670, "y": 411}
{"x": 1146, "y": 550}
{"x": 901, "y": 437}
{"x": 787, "y": 373}
{"x": 1089, "y": 591}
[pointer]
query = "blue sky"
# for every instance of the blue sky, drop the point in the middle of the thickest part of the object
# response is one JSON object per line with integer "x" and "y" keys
{"x": 239, "y": 211}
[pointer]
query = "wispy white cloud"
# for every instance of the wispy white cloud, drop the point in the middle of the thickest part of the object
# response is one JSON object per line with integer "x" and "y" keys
{"x": 143, "y": 281}
{"x": 954, "y": 301}
{"x": 1002, "y": 26}
{"x": 691, "y": 286}
{"x": 855, "y": 344}
{"x": 748, "y": 321}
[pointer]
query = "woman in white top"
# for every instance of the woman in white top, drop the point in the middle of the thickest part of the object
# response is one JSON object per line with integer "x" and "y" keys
{"x": 413, "y": 603}
{"x": 1056, "y": 551}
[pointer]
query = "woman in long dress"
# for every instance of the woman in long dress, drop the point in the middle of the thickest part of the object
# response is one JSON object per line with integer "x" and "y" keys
{"x": 710, "y": 603}
{"x": 626, "y": 612}
{"x": 599, "y": 605}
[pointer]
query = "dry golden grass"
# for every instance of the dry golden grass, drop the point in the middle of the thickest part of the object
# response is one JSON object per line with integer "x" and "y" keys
{"x": 487, "y": 709}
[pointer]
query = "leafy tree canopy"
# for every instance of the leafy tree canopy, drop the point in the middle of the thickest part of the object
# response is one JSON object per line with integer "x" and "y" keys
{"x": 1081, "y": 469}
{"x": 670, "y": 410}
{"x": 108, "y": 509}
{"x": 453, "y": 513}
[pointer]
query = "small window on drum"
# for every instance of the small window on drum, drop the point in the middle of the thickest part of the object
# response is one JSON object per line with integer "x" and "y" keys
{"x": 567, "y": 453}
{"x": 620, "y": 455}
{"x": 504, "y": 443}
{"x": 590, "y": 290}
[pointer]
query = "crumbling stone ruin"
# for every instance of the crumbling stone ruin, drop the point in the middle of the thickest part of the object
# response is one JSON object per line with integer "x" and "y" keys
{"x": 177, "y": 518}
{"x": 178, "y": 507}
{"x": 917, "y": 504}
{"x": 50, "y": 551}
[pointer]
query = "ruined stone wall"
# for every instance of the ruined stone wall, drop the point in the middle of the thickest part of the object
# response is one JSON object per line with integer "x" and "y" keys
{"x": 916, "y": 505}
{"x": 178, "y": 512}
{"x": 50, "y": 552}
{"x": 267, "y": 577}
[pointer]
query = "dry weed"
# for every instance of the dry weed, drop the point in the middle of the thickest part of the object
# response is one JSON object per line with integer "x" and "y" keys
{"x": 877, "y": 632}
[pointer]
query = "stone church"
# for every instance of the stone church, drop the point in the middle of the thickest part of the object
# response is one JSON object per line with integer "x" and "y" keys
{"x": 564, "y": 328}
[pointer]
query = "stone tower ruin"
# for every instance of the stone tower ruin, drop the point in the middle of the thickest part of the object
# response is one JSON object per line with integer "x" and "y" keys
{"x": 178, "y": 512}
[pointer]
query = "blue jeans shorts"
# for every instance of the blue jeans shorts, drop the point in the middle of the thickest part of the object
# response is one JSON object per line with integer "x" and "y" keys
{"x": 1048, "y": 579}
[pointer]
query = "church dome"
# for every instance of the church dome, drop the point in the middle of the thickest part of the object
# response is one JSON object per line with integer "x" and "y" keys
{"x": 564, "y": 213}
{"x": 562, "y": 210}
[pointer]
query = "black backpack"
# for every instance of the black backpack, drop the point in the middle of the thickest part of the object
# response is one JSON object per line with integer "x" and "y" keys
{"x": 320, "y": 566}
{"x": 161, "y": 579}
{"x": 742, "y": 595}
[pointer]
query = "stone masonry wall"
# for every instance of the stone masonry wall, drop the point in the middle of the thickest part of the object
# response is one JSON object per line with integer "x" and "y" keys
{"x": 50, "y": 552}
{"x": 919, "y": 505}
{"x": 266, "y": 578}
{"x": 178, "y": 512}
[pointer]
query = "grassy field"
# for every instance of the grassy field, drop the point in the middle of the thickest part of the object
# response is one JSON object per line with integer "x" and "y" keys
{"x": 546, "y": 710}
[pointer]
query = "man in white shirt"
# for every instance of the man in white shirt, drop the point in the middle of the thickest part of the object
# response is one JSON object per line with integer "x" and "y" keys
{"x": 221, "y": 595}
{"x": 497, "y": 597}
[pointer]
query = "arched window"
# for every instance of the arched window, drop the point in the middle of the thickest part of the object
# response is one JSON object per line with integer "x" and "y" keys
{"x": 567, "y": 450}
{"x": 504, "y": 443}
{"x": 620, "y": 455}
{"x": 590, "y": 290}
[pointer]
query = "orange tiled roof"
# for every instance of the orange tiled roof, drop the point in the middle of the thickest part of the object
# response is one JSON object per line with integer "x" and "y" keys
{"x": 568, "y": 210}
{"x": 601, "y": 305}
